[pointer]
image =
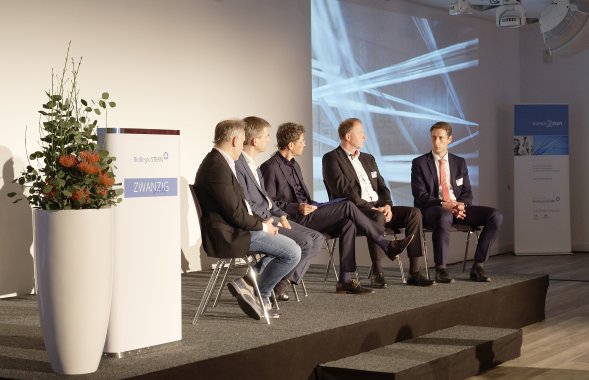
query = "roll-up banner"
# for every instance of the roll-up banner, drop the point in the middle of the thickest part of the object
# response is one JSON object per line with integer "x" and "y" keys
{"x": 541, "y": 183}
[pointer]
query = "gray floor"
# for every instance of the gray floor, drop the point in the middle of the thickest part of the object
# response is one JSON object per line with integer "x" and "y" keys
{"x": 22, "y": 353}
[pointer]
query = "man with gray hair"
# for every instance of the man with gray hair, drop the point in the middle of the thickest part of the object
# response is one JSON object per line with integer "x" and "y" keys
{"x": 228, "y": 224}
{"x": 257, "y": 137}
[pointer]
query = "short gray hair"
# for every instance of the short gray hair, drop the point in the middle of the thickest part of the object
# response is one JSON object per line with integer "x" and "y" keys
{"x": 227, "y": 129}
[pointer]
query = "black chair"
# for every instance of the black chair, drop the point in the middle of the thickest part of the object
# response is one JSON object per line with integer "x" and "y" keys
{"x": 389, "y": 232}
{"x": 228, "y": 263}
{"x": 468, "y": 230}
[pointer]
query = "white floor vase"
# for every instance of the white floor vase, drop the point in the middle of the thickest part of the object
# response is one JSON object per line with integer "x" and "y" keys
{"x": 74, "y": 268}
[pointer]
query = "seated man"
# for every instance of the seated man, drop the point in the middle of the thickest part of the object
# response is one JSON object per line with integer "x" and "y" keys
{"x": 227, "y": 224}
{"x": 250, "y": 178}
{"x": 441, "y": 190}
{"x": 355, "y": 176}
{"x": 284, "y": 183}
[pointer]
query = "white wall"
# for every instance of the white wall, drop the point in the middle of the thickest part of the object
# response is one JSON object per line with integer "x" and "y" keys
{"x": 563, "y": 80}
{"x": 176, "y": 64}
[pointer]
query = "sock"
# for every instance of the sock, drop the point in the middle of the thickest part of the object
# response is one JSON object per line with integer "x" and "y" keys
{"x": 414, "y": 265}
{"x": 377, "y": 266}
{"x": 384, "y": 244}
{"x": 345, "y": 277}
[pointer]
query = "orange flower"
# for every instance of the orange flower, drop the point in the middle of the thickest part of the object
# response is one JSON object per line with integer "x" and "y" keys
{"x": 68, "y": 160}
{"x": 106, "y": 180}
{"x": 89, "y": 168}
{"x": 101, "y": 190}
{"x": 90, "y": 156}
{"x": 81, "y": 196}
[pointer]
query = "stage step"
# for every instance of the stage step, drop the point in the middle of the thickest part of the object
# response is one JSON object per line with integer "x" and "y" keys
{"x": 454, "y": 353}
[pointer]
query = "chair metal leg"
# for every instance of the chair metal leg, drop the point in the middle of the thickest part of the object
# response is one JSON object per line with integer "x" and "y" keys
{"x": 230, "y": 266}
{"x": 296, "y": 294}
{"x": 304, "y": 288}
{"x": 425, "y": 254}
{"x": 208, "y": 290}
{"x": 274, "y": 299}
{"x": 466, "y": 249}
{"x": 331, "y": 263}
{"x": 403, "y": 279}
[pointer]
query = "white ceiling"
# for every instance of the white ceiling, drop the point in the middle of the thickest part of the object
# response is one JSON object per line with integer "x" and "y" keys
{"x": 532, "y": 7}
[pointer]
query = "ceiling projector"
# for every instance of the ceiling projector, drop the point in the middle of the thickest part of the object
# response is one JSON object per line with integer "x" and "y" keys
{"x": 509, "y": 13}
{"x": 564, "y": 28}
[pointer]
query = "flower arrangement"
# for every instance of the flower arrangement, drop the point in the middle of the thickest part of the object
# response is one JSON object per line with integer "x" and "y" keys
{"x": 71, "y": 171}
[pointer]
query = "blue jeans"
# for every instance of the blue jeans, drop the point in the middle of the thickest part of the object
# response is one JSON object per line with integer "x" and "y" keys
{"x": 282, "y": 255}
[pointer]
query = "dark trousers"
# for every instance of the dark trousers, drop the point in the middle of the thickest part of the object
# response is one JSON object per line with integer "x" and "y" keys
{"x": 405, "y": 217}
{"x": 343, "y": 219}
{"x": 311, "y": 243}
{"x": 440, "y": 220}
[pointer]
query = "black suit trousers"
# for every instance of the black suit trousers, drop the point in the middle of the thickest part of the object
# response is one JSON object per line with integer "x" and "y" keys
{"x": 405, "y": 217}
{"x": 441, "y": 219}
{"x": 343, "y": 219}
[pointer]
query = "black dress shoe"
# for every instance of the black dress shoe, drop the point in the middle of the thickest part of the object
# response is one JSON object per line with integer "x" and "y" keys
{"x": 377, "y": 281}
{"x": 443, "y": 277}
{"x": 397, "y": 246}
{"x": 282, "y": 297}
{"x": 352, "y": 287}
{"x": 280, "y": 290}
{"x": 417, "y": 279}
{"x": 477, "y": 273}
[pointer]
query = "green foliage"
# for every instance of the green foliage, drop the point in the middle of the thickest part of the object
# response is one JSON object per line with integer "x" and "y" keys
{"x": 70, "y": 171}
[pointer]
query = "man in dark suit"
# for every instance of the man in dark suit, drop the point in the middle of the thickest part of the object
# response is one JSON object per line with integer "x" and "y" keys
{"x": 350, "y": 174}
{"x": 284, "y": 183}
{"x": 230, "y": 229}
{"x": 257, "y": 137}
{"x": 441, "y": 190}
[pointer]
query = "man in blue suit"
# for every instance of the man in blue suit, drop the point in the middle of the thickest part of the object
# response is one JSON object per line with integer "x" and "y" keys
{"x": 250, "y": 178}
{"x": 441, "y": 190}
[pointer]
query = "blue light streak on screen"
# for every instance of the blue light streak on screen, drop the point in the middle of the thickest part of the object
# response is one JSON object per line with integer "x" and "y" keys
{"x": 397, "y": 73}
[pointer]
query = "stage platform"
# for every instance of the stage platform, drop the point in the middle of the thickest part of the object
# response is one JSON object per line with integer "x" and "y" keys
{"x": 323, "y": 327}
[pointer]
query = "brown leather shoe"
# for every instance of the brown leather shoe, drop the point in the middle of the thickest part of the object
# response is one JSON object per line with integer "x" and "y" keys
{"x": 351, "y": 287}
{"x": 397, "y": 246}
{"x": 377, "y": 281}
{"x": 477, "y": 273}
{"x": 417, "y": 279}
{"x": 443, "y": 277}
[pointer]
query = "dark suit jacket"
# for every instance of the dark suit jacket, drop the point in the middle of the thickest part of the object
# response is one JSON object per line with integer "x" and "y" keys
{"x": 255, "y": 194}
{"x": 424, "y": 180}
{"x": 225, "y": 223}
{"x": 280, "y": 186}
{"x": 342, "y": 182}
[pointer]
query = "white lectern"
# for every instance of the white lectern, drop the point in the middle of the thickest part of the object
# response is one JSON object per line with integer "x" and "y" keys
{"x": 146, "y": 304}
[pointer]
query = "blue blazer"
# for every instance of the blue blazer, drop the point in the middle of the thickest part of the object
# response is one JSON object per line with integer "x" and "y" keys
{"x": 425, "y": 184}
{"x": 255, "y": 194}
{"x": 280, "y": 185}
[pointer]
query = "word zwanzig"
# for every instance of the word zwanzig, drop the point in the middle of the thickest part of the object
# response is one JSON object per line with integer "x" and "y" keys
{"x": 151, "y": 187}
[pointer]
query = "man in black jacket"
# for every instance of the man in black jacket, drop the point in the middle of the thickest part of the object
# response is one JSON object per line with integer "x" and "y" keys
{"x": 349, "y": 173}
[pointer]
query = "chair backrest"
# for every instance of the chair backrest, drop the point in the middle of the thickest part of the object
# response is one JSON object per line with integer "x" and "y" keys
{"x": 196, "y": 203}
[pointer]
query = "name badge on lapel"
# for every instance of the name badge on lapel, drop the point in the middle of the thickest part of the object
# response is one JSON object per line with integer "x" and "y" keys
{"x": 374, "y": 174}
{"x": 459, "y": 181}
